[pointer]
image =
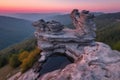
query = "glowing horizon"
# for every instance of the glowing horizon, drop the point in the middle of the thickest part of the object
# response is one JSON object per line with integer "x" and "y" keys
{"x": 59, "y": 5}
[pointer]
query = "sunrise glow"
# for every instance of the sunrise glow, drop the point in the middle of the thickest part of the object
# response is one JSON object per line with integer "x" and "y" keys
{"x": 58, "y": 5}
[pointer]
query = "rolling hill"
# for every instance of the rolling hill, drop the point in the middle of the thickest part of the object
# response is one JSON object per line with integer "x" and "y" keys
{"x": 31, "y": 16}
{"x": 64, "y": 19}
{"x": 109, "y": 29}
{"x": 13, "y": 30}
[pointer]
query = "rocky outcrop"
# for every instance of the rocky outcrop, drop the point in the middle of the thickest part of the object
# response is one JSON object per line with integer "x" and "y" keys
{"x": 29, "y": 75}
{"x": 91, "y": 60}
{"x": 83, "y": 21}
{"x": 53, "y": 38}
{"x": 96, "y": 63}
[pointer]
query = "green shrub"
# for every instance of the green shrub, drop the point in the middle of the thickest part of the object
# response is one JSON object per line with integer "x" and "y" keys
{"x": 13, "y": 61}
{"x": 26, "y": 45}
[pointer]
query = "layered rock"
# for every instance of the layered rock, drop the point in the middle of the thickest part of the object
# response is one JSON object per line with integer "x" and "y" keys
{"x": 53, "y": 38}
{"x": 83, "y": 21}
{"x": 92, "y": 60}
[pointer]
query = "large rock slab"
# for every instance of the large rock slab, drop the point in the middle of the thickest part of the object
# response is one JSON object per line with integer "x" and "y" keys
{"x": 97, "y": 63}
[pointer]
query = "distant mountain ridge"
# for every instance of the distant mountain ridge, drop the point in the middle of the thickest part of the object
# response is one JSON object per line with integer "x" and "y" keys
{"x": 64, "y": 19}
{"x": 13, "y": 30}
{"x": 32, "y": 16}
{"x": 46, "y": 16}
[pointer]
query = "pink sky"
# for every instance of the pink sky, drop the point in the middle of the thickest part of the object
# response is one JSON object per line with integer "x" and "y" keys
{"x": 59, "y": 5}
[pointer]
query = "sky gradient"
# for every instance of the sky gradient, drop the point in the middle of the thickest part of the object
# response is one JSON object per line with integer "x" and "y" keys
{"x": 59, "y": 5}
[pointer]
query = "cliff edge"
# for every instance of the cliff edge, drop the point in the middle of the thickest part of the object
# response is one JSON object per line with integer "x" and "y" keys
{"x": 91, "y": 60}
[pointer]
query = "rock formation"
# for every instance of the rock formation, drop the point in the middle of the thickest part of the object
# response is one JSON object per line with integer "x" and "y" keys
{"x": 92, "y": 60}
{"x": 84, "y": 22}
{"x": 52, "y": 38}
{"x": 97, "y": 62}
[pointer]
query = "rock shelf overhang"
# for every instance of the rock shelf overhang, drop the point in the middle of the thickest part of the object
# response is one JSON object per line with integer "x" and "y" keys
{"x": 53, "y": 38}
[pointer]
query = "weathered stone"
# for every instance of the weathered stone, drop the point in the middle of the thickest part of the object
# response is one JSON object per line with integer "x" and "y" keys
{"x": 55, "y": 26}
{"x": 41, "y": 25}
{"x": 69, "y": 38}
{"x": 83, "y": 22}
{"x": 52, "y": 26}
{"x": 92, "y": 60}
{"x": 97, "y": 63}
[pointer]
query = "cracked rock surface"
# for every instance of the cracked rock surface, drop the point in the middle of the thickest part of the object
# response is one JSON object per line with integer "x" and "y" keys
{"x": 97, "y": 63}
